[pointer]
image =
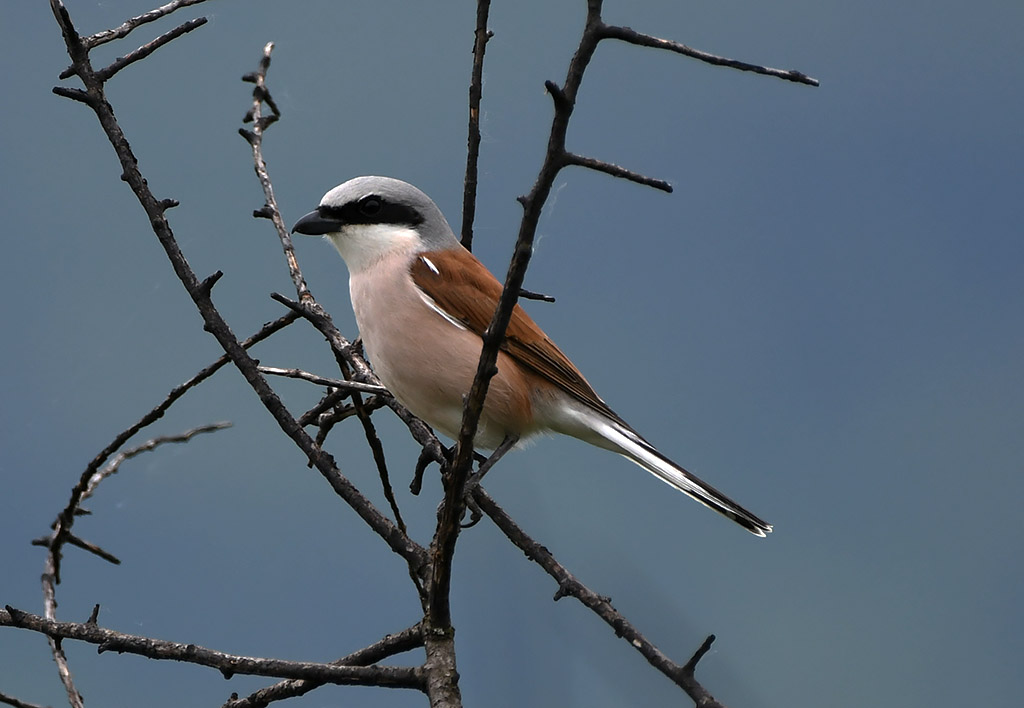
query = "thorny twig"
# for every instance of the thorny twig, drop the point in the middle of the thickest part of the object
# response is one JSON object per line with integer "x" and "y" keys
{"x": 227, "y": 664}
{"x": 569, "y": 585}
{"x": 343, "y": 352}
{"x": 390, "y": 645}
{"x": 62, "y": 533}
{"x": 12, "y": 701}
{"x": 339, "y": 384}
{"x": 480, "y": 36}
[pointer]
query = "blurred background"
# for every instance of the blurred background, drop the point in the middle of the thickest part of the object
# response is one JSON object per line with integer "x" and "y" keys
{"x": 824, "y": 321}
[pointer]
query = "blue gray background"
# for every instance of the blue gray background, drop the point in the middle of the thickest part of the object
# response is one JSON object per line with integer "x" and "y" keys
{"x": 824, "y": 320}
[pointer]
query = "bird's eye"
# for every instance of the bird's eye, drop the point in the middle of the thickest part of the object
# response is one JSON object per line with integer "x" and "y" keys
{"x": 370, "y": 206}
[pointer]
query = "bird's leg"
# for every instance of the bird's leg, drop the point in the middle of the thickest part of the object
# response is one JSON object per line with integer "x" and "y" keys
{"x": 474, "y": 480}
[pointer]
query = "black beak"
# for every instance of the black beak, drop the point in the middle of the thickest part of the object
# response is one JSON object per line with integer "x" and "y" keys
{"x": 313, "y": 224}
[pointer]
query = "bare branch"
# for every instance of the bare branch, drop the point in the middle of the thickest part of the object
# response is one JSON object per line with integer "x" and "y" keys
{"x": 12, "y": 701}
{"x": 644, "y": 40}
{"x": 341, "y": 347}
{"x": 74, "y": 94}
{"x": 443, "y": 547}
{"x": 114, "y": 465}
{"x": 390, "y": 645}
{"x": 64, "y": 671}
{"x": 569, "y": 585}
{"x": 62, "y": 533}
{"x": 146, "y": 49}
{"x": 87, "y": 483}
{"x": 340, "y": 384}
{"x": 616, "y": 171}
{"x": 481, "y": 35}
{"x": 87, "y": 546}
{"x": 123, "y": 30}
{"x": 80, "y": 543}
{"x": 261, "y": 95}
{"x": 227, "y": 664}
{"x": 320, "y": 416}
{"x": 530, "y": 295}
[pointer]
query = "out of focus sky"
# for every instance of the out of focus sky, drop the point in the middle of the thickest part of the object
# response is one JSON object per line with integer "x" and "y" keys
{"x": 825, "y": 320}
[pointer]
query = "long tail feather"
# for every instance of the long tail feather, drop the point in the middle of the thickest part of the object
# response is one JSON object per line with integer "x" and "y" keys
{"x": 634, "y": 448}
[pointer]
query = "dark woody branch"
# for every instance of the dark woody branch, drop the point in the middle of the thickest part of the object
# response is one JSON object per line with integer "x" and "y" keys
{"x": 12, "y": 701}
{"x": 340, "y": 384}
{"x": 146, "y": 49}
{"x": 390, "y": 645}
{"x": 570, "y": 586}
{"x": 126, "y": 28}
{"x": 61, "y": 534}
{"x": 644, "y": 40}
{"x": 481, "y": 34}
{"x": 86, "y": 485}
{"x": 616, "y": 171}
{"x": 227, "y": 664}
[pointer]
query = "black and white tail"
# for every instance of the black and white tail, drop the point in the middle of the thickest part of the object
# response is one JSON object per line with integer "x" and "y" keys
{"x": 630, "y": 445}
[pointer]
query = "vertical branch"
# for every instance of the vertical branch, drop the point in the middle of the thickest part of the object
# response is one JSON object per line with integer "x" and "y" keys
{"x": 482, "y": 34}
{"x": 443, "y": 547}
{"x": 254, "y": 137}
{"x": 270, "y": 210}
{"x": 442, "y": 681}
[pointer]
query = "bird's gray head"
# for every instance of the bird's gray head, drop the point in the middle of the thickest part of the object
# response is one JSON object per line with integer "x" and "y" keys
{"x": 369, "y": 217}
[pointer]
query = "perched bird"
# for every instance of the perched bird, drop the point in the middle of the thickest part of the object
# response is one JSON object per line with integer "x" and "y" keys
{"x": 422, "y": 302}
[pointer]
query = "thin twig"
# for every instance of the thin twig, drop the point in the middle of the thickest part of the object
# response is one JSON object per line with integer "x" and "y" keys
{"x": 62, "y": 533}
{"x": 340, "y": 384}
{"x": 66, "y": 518}
{"x": 443, "y": 547}
{"x": 92, "y": 548}
{"x": 530, "y": 295}
{"x": 12, "y": 701}
{"x": 569, "y": 585}
{"x": 480, "y": 37}
{"x": 328, "y": 402}
{"x": 626, "y": 34}
{"x": 320, "y": 416}
{"x": 146, "y": 49}
{"x": 227, "y": 664}
{"x": 616, "y": 171}
{"x": 260, "y": 123}
{"x": 343, "y": 354}
{"x": 390, "y": 645}
{"x": 124, "y": 29}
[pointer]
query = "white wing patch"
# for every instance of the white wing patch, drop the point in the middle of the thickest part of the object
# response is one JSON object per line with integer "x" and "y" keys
{"x": 434, "y": 306}
{"x": 430, "y": 264}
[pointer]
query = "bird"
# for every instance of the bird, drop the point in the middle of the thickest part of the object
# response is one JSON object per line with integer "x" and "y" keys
{"x": 422, "y": 302}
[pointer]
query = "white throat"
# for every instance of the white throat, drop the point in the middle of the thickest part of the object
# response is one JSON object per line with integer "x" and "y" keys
{"x": 363, "y": 245}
